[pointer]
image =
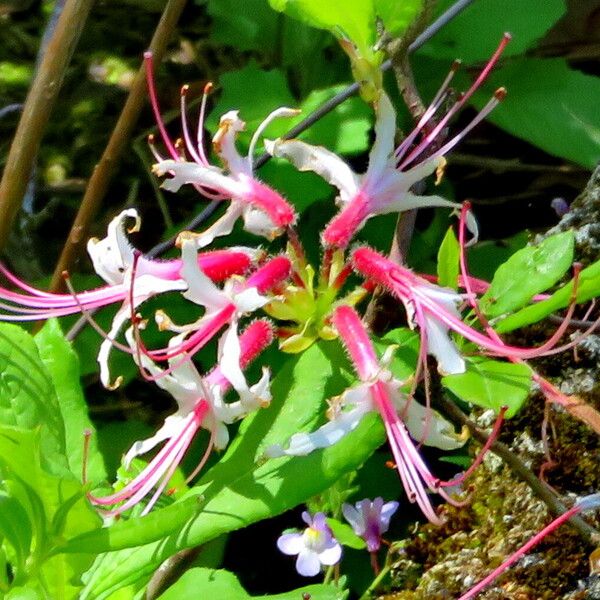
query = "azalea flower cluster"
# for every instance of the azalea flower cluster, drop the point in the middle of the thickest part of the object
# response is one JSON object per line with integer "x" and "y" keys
{"x": 233, "y": 290}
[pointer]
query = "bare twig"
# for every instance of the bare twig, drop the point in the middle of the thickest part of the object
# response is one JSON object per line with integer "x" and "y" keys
{"x": 106, "y": 168}
{"x": 36, "y": 111}
{"x": 518, "y": 467}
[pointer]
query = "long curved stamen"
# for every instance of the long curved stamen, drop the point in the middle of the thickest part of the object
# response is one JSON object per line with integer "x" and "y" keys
{"x": 584, "y": 504}
{"x": 200, "y": 130}
{"x": 499, "y": 95}
{"x": 184, "y": 127}
{"x": 276, "y": 114}
{"x": 94, "y": 324}
{"x": 149, "y": 64}
{"x": 481, "y": 455}
{"x": 433, "y": 107}
{"x": 459, "y": 104}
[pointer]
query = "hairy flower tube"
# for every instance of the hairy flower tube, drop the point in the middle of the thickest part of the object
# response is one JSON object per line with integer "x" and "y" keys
{"x": 264, "y": 211}
{"x": 370, "y": 519}
{"x": 223, "y": 307}
{"x": 131, "y": 280}
{"x": 379, "y": 391}
{"x": 315, "y": 546}
{"x": 201, "y": 404}
{"x": 385, "y": 186}
{"x": 434, "y": 310}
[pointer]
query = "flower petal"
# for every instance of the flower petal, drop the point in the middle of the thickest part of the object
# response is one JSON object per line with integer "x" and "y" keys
{"x": 387, "y": 511}
{"x": 224, "y": 143}
{"x": 290, "y": 543}
{"x": 439, "y": 344}
{"x": 420, "y": 420}
{"x": 183, "y": 172}
{"x": 408, "y": 201}
{"x": 113, "y": 255}
{"x": 201, "y": 290}
{"x": 331, "y": 556}
{"x": 383, "y": 146}
{"x": 308, "y": 563}
{"x": 321, "y": 161}
{"x": 301, "y": 444}
{"x": 222, "y": 226}
{"x": 354, "y": 517}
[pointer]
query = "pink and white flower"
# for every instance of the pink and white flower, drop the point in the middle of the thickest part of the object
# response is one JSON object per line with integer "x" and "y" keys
{"x": 315, "y": 546}
{"x": 264, "y": 211}
{"x": 393, "y": 170}
{"x": 201, "y": 404}
{"x": 379, "y": 391}
{"x": 223, "y": 307}
{"x": 131, "y": 280}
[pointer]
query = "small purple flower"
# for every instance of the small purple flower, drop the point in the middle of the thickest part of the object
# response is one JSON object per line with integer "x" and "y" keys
{"x": 315, "y": 546}
{"x": 370, "y": 519}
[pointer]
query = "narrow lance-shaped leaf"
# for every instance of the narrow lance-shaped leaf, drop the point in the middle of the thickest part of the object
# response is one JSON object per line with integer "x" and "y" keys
{"x": 528, "y": 272}
{"x": 447, "y": 261}
{"x": 588, "y": 287}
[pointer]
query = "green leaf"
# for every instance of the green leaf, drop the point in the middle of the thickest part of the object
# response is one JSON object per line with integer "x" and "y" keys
{"x": 397, "y": 16}
{"x": 473, "y": 35}
{"x": 27, "y": 396}
{"x": 345, "y": 130}
{"x": 354, "y": 19}
{"x": 15, "y": 527}
{"x": 492, "y": 384}
{"x": 528, "y": 272}
{"x": 243, "y": 487}
{"x": 550, "y": 106}
{"x": 220, "y": 584}
{"x": 56, "y": 505}
{"x": 62, "y": 364}
{"x": 404, "y": 360}
{"x": 588, "y": 287}
{"x": 448, "y": 259}
{"x": 345, "y": 534}
{"x": 253, "y": 28}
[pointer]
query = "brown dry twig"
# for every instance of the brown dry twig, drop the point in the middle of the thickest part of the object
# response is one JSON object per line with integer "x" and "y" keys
{"x": 107, "y": 166}
{"x": 37, "y": 109}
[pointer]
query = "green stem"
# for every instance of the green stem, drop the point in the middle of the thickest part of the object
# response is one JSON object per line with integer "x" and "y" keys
{"x": 376, "y": 582}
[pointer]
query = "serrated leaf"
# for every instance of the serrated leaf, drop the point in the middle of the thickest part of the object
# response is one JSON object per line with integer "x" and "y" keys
{"x": 588, "y": 287}
{"x": 62, "y": 364}
{"x": 27, "y": 396}
{"x": 492, "y": 384}
{"x": 397, "y": 15}
{"x": 448, "y": 261}
{"x": 528, "y": 272}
